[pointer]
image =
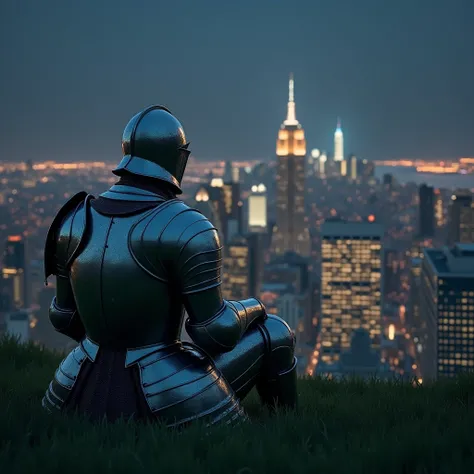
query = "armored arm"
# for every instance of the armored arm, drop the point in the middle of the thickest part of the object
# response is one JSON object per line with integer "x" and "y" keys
{"x": 62, "y": 243}
{"x": 214, "y": 323}
{"x": 63, "y": 312}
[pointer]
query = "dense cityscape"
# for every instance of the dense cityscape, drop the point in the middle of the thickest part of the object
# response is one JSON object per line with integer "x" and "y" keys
{"x": 374, "y": 273}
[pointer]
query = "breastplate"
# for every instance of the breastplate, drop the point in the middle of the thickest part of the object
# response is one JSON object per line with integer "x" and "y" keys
{"x": 122, "y": 305}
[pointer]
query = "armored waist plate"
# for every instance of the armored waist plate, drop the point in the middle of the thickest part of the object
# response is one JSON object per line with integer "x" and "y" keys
{"x": 67, "y": 374}
{"x": 135, "y": 355}
{"x": 179, "y": 383}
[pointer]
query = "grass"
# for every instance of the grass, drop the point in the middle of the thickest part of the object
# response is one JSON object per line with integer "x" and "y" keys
{"x": 341, "y": 427}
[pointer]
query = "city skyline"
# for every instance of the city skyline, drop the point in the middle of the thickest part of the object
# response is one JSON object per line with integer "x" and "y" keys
{"x": 399, "y": 94}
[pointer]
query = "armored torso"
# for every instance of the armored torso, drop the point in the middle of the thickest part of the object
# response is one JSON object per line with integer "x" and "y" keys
{"x": 120, "y": 268}
{"x": 121, "y": 287}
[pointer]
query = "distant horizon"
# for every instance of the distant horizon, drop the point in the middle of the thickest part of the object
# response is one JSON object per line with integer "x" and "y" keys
{"x": 205, "y": 160}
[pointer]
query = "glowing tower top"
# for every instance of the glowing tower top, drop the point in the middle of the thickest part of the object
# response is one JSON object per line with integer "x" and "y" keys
{"x": 291, "y": 114}
{"x": 338, "y": 142}
{"x": 291, "y": 140}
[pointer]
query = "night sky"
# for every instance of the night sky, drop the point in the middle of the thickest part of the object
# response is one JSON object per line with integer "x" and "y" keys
{"x": 399, "y": 73}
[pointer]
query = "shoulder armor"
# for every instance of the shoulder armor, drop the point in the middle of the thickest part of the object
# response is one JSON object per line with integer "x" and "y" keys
{"x": 156, "y": 239}
{"x": 66, "y": 234}
{"x": 144, "y": 237}
{"x": 194, "y": 250}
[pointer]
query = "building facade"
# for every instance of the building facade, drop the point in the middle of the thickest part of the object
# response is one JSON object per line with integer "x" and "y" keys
{"x": 447, "y": 310}
{"x": 235, "y": 281}
{"x": 461, "y": 218}
{"x": 351, "y": 285}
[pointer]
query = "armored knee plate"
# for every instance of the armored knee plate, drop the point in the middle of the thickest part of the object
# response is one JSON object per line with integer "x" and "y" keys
{"x": 277, "y": 385}
{"x": 280, "y": 340}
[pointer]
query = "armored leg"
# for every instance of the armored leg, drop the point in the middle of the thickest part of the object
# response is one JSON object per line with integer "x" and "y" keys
{"x": 264, "y": 358}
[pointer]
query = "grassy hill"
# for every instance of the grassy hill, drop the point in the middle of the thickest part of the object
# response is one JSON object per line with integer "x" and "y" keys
{"x": 342, "y": 427}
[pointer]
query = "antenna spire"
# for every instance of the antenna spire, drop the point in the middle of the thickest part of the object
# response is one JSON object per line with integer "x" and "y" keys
{"x": 291, "y": 115}
{"x": 291, "y": 95}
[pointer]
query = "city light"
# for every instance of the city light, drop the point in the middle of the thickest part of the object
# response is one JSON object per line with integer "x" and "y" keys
{"x": 391, "y": 332}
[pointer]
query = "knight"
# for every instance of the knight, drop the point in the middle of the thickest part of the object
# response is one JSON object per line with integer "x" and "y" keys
{"x": 129, "y": 265}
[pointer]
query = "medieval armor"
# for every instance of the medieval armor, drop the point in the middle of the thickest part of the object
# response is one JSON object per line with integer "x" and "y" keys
{"x": 154, "y": 145}
{"x": 127, "y": 265}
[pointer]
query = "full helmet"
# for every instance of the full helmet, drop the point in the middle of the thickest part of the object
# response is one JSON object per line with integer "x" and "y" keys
{"x": 154, "y": 145}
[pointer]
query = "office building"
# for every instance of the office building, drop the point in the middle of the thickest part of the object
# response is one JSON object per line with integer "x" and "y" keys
{"x": 440, "y": 209}
{"x": 211, "y": 208}
{"x": 447, "y": 309}
{"x": 14, "y": 272}
{"x": 235, "y": 281}
{"x": 257, "y": 210}
{"x": 461, "y": 218}
{"x": 351, "y": 285}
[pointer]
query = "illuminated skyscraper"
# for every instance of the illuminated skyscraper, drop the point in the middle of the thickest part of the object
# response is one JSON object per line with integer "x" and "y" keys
{"x": 413, "y": 320}
{"x": 257, "y": 236}
{"x": 291, "y": 232}
{"x": 257, "y": 201}
{"x": 209, "y": 202}
{"x": 440, "y": 211}
{"x": 235, "y": 281}
{"x": 353, "y": 165}
{"x": 233, "y": 210}
{"x": 338, "y": 142}
{"x": 323, "y": 158}
{"x": 461, "y": 218}
{"x": 13, "y": 272}
{"x": 351, "y": 285}
{"x": 447, "y": 309}
{"x": 220, "y": 203}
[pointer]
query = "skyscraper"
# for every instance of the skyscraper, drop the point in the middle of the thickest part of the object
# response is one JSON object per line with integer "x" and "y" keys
{"x": 353, "y": 165}
{"x": 235, "y": 281}
{"x": 426, "y": 211}
{"x": 207, "y": 201}
{"x": 351, "y": 285}
{"x": 257, "y": 215}
{"x": 338, "y": 142}
{"x": 447, "y": 308}
{"x": 233, "y": 210}
{"x": 257, "y": 236}
{"x": 440, "y": 212}
{"x": 291, "y": 230}
{"x": 13, "y": 271}
{"x": 461, "y": 218}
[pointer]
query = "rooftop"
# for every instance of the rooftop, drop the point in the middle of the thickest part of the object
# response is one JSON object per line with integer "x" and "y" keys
{"x": 457, "y": 261}
{"x": 351, "y": 229}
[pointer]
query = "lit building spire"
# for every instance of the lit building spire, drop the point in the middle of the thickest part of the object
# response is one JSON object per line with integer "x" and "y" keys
{"x": 291, "y": 115}
{"x": 338, "y": 142}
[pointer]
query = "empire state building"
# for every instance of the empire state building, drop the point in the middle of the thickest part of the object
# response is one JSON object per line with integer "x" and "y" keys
{"x": 291, "y": 233}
